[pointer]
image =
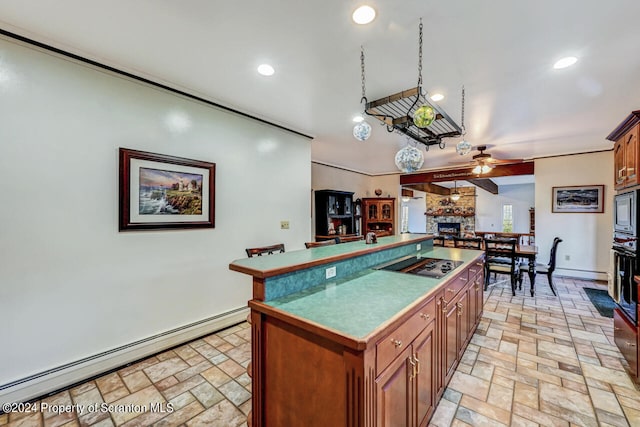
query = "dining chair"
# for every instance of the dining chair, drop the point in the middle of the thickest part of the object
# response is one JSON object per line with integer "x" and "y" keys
{"x": 438, "y": 240}
{"x": 268, "y": 250}
{"x": 501, "y": 258}
{"x": 320, "y": 243}
{"x": 467, "y": 242}
{"x": 543, "y": 268}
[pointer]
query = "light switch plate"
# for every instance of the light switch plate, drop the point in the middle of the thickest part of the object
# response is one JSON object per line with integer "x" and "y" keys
{"x": 418, "y": 247}
{"x": 284, "y": 225}
{"x": 330, "y": 272}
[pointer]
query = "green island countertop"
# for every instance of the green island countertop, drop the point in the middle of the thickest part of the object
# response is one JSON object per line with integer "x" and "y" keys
{"x": 281, "y": 263}
{"x": 356, "y": 306}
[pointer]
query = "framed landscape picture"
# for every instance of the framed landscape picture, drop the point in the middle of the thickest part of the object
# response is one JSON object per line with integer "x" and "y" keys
{"x": 165, "y": 192}
{"x": 578, "y": 199}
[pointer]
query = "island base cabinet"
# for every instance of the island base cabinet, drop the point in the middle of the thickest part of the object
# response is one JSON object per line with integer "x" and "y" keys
{"x": 405, "y": 388}
{"x": 306, "y": 375}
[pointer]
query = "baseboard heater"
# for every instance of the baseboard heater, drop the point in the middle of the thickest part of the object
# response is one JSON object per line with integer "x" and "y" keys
{"x": 52, "y": 380}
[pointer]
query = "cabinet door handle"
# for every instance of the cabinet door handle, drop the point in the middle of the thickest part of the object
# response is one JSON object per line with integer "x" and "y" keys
{"x": 444, "y": 305}
{"x": 631, "y": 344}
{"x": 415, "y": 357}
{"x": 425, "y": 316}
{"x": 413, "y": 368}
{"x": 459, "y": 308}
{"x": 396, "y": 343}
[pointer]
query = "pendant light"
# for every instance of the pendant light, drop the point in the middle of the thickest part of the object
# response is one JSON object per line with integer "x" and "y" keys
{"x": 463, "y": 147}
{"x": 362, "y": 130}
{"x": 455, "y": 196}
{"x": 409, "y": 159}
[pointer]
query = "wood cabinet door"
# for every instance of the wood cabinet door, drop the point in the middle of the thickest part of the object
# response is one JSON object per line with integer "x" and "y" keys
{"x": 450, "y": 339}
{"x": 464, "y": 322}
{"x": 619, "y": 163}
{"x": 631, "y": 156}
{"x": 424, "y": 351}
{"x": 393, "y": 390}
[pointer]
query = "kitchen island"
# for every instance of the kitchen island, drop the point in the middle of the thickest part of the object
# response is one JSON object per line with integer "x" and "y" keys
{"x": 338, "y": 341}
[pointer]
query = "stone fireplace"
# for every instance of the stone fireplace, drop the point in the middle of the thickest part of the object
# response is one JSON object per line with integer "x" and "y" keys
{"x": 442, "y": 210}
{"x": 448, "y": 229}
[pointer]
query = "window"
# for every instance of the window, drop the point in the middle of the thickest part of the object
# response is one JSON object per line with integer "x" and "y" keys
{"x": 507, "y": 218}
{"x": 404, "y": 224}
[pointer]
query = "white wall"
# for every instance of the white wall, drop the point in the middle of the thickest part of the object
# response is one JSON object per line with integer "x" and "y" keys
{"x": 489, "y": 207}
{"x": 326, "y": 177}
{"x": 586, "y": 236}
{"x": 72, "y": 285}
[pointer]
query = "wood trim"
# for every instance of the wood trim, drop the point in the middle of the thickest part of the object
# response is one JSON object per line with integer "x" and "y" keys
{"x": 263, "y": 274}
{"x": 630, "y": 121}
{"x": 524, "y": 168}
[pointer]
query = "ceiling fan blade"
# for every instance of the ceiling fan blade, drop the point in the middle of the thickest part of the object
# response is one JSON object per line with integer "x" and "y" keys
{"x": 505, "y": 161}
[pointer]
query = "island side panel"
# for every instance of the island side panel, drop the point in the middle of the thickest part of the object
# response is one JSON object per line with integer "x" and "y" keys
{"x": 303, "y": 379}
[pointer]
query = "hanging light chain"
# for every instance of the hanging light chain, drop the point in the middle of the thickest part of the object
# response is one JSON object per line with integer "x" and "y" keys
{"x": 362, "y": 73}
{"x": 463, "y": 128}
{"x": 420, "y": 59}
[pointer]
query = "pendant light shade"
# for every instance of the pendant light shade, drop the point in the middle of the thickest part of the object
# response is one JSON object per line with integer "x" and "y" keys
{"x": 362, "y": 131}
{"x": 409, "y": 159}
{"x": 455, "y": 196}
{"x": 463, "y": 147}
{"x": 424, "y": 116}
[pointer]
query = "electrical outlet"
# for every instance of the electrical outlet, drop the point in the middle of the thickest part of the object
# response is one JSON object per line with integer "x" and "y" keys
{"x": 418, "y": 247}
{"x": 284, "y": 225}
{"x": 567, "y": 257}
{"x": 330, "y": 272}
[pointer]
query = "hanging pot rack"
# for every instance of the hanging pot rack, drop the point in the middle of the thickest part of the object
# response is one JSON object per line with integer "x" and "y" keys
{"x": 395, "y": 111}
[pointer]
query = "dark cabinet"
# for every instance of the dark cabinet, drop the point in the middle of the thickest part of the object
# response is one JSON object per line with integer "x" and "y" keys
{"x": 334, "y": 212}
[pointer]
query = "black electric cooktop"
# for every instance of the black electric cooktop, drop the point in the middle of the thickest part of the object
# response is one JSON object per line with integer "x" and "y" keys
{"x": 428, "y": 267}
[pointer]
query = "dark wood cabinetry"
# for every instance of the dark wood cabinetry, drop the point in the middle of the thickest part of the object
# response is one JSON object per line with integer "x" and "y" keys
{"x": 334, "y": 212}
{"x": 378, "y": 215}
{"x": 626, "y": 151}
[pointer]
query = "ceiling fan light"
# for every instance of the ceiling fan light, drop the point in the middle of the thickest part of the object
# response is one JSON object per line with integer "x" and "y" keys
{"x": 409, "y": 159}
{"x": 463, "y": 147}
{"x": 455, "y": 196}
{"x": 424, "y": 116}
{"x": 477, "y": 170}
{"x": 362, "y": 131}
{"x": 485, "y": 168}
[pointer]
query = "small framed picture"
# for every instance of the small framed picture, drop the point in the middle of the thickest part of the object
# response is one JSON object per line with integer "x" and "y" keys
{"x": 165, "y": 192}
{"x": 578, "y": 199}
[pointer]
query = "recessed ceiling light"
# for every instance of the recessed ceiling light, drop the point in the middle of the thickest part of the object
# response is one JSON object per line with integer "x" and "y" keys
{"x": 363, "y": 15}
{"x": 565, "y": 62}
{"x": 358, "y": 119}
{"x": 266, "y": 70}
{"x": 437, "y": 97}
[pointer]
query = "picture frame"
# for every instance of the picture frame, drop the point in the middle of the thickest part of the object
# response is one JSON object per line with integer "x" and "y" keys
{"x": 578, "y": 199}
{"x": 160, "y": 192}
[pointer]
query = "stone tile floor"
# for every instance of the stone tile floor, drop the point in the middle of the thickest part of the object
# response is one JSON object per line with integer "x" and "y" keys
{"x": 542, "y": 361}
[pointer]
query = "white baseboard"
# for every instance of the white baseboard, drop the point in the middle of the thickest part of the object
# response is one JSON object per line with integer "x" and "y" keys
{"x": 581, "y": 274}
{"x": 51, "y": 380}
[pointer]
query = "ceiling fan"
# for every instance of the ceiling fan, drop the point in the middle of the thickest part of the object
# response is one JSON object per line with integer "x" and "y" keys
{"x": 483, "y": 162}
